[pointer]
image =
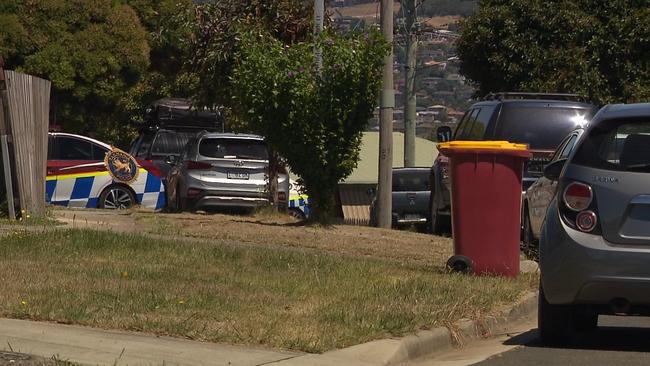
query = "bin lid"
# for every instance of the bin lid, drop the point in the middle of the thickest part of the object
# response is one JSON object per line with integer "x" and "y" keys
{"x": 483, "y": 145}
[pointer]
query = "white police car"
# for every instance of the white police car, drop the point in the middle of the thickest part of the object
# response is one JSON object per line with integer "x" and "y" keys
{"x": 84, "y": 172}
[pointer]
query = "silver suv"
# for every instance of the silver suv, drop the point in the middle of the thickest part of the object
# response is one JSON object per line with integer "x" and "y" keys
{"x": 223, "y": 170}
{"x": 595, "y": 241}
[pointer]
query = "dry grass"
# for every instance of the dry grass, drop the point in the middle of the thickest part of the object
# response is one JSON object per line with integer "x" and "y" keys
{"x": 282, "y": 231}
{"x": 268, "y": 293}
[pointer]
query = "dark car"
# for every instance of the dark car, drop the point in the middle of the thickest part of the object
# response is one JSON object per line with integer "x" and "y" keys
{"x": 539, "y": 195}
{"x": 539, "y": 120}
{"x": 169, "y": 124}
{"x": 410, "y": 198}
{"x": 594, "y": 246}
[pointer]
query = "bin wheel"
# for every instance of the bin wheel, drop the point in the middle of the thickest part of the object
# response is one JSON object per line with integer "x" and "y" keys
{"x": 460, "y": 263}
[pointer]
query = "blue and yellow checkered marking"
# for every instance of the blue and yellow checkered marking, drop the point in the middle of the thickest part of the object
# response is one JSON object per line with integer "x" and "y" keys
{"x": 300, "y": 202}
{"x": 83, "y": 189}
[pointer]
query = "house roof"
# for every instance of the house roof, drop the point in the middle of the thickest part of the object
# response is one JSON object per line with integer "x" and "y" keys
{"x": 368, "y": 167}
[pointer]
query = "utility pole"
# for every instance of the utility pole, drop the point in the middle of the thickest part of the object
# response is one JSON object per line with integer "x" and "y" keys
{"x": 387, "y": 103}
{"x": 319, "y": 14}
{"x": 409, "y": 7}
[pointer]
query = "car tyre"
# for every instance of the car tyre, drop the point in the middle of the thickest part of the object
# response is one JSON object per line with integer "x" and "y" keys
{"x": 438, "y": 224}
{"x": 529, "y": 245}
{"x": 116, "y": 197}
{"x": 555, "y": 322}
{"x": 297, "y": 214}
{"x": 585, "y": 320}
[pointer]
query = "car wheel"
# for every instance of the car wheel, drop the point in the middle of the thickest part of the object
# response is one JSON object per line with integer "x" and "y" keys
{"x": 555, "y": 322}
{"x": 116, "y": 198}
{"x": 585, "y": 320}
{"x": 438, "y": 224}
{"x": 529, "y": 245}
{"x": 297, "y": 214}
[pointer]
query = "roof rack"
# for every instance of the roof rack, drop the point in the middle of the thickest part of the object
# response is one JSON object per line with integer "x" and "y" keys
{"x": 178, "y": 113}
{"x": 551, "y": 96}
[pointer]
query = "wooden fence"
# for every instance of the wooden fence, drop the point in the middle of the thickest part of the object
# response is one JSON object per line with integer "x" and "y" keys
{"x": 27, "y": 103}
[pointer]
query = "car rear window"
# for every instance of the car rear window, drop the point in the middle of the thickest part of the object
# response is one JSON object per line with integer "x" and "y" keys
{"x": 622, "y": 145}
{"x": 410, "y": 181}
{"x": 542, "y": 127}
{"x": 233, "y": 148}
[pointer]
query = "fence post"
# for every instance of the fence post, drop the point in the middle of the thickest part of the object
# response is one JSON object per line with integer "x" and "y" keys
{"x": 4, "y": 144}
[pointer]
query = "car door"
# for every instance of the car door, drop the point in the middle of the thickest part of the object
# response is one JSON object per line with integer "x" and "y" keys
{"x": 543, "y": 190}
{"x": 71, "y": 157}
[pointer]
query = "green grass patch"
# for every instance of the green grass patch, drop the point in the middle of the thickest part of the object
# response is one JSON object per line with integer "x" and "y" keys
{"x": 281, "y": 298}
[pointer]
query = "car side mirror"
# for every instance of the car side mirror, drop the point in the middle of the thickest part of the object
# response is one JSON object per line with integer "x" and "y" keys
{"x": 171, "y": 159}
{"x": 552, "y": 171}
{"x": 443, "y": 134}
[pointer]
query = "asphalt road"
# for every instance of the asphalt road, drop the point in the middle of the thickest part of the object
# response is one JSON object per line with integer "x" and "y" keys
{"x": 619, "y": 341}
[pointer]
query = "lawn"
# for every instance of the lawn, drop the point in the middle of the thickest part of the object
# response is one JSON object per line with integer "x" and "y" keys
{"x": 312, "y": 298}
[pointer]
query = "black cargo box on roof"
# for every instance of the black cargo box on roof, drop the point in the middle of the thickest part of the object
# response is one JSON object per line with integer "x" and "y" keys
{"x": 178, "y": 113}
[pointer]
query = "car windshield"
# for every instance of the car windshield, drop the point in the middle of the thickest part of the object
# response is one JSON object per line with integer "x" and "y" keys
{"x": 543, "y": 128}
{"x": 410, "y": 181}
{"x": 617, "y": 145}
{"x": 233, "y": 148}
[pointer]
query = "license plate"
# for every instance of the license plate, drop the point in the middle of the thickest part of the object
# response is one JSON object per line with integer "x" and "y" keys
{"x": 233, "y": 175}
{"x": 412, "y": 217}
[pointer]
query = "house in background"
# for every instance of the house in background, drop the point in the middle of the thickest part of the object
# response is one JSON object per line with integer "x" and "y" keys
{"x": 357, "y": 191}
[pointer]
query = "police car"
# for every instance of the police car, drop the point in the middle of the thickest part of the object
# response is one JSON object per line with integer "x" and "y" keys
{"x": 298, "y": 204}
{"x": 84, "y": 172}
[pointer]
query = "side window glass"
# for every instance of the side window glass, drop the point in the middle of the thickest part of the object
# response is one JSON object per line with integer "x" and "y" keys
{"x": 165, "y": 143}
{"x": 462, "y": 125}
{"x": 70, "y": 148}
{"x": 469, "y": 128}
{"x": 99, "y": 153}
{"x": 144, "y": 145}
{"x": 479, "y": 127}
{"x": 50, "y": 147}
{"x": 566, "y": 150}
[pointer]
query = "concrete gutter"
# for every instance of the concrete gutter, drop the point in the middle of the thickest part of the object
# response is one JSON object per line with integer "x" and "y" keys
{"x": 425, "y": 343}
{"x": 93, "y": 346}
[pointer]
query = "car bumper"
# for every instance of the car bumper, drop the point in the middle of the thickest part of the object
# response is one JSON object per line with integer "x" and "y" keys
{"x": 415, "y": 220}
{"x": 580, "y": 268}
{"x": 216, "y": 201}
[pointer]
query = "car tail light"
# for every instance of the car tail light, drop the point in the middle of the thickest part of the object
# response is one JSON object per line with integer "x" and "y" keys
{"x": 579, "y": 209}
{"x": 282, "y": 196}
{"x": 198, "y": 165}
{"x": 586, "y": 221}
{"x": 193, "y": 192}
{"x": 578, "y": 196}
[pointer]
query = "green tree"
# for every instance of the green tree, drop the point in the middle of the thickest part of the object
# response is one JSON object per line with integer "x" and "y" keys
{"x": 167, "y": 23}
{"x": 596, "y": 48}
{"x": 214, "y": 39}
{"x": 92, "y": 51}
{"x": 312, "y": 118}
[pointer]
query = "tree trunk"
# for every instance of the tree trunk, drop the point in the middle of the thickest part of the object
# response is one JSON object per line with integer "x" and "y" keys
{"x": 273, "y": 178}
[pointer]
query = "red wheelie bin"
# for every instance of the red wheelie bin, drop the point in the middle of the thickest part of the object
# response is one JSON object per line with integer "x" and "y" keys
{"x": 486, "y": 205}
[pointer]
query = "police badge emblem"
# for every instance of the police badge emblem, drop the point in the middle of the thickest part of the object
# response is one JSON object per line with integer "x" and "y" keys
{"x": 121, "y": 166}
